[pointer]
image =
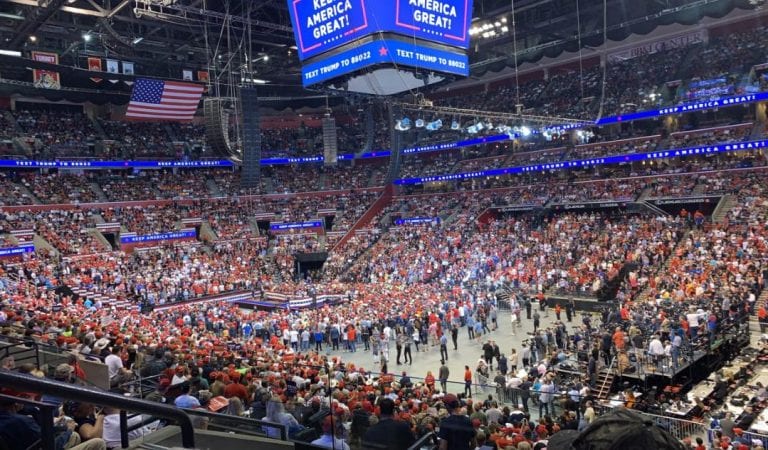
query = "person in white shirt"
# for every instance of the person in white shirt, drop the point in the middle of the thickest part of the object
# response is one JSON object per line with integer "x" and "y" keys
{"x": 693, "y": 318}
{"x": 117, "y": 373}
{"x": 656, "y": 350}
{"x": 111, "y": 433}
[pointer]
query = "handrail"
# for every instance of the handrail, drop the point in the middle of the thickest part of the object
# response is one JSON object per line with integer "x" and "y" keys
{"x": 422, "y": 441}
{"x": 240, "y": 420}
{"x": 47, "y": 440}
{"x": 73, "y": 392}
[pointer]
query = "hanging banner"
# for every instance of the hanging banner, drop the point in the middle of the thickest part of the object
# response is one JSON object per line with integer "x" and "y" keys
{"x": 186, "y": 75}
{"x": 202, "y": 75}
{"x": 112, "y": 66}
{"x": 46, "y": 79}
{"x": 128, "y": 68}
{"x": 94, "y": 64}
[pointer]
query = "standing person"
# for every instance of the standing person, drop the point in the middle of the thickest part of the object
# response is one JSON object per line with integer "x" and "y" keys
{"x": 388, "y": 433}
{"x": 352, "y": 338}
{"x": 526, "y": 356}
{"x": 366, "y": 336}
{"x": 456, "y": 431}
{"x": 455, "y": 336}
{"x": 335, "y": 335}
{"x": 570, "y": 308}
{"x": 525, "y": 392}
{"x": 399, "y": 344}
{"x": 503, "y": 364}
{"x": 546, "y": 396}
{"x": 467, "y": 382}
{"x": 407, "y": 356}
{"x": 512, "y": 361}
{"x": 513, "y": 320}
{"x": 536, "y": 321}
{"x": 442, "y": 375}
{"x": 528, "y": 308}
{"x": 488, "y": 353}
{"x": 444, "y": 347}
{"x": 319, "y": 340}
{"x": 558, "y": 310}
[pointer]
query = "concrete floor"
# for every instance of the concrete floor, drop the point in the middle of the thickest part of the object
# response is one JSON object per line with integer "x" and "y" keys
{"x": 468, "y": 352}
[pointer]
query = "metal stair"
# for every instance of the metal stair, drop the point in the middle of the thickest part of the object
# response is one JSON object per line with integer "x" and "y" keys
{"x": 604, "y": 382}
{"x": 96, "y": 189}
{"x": 213, "y": 188}
{"x": 726, "y": 204}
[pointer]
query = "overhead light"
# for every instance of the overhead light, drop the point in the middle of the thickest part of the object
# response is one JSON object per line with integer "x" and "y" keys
{"x": 403, "y": 124}
{"x": 525, "y": 131}
{"x": 10, "y": 53}
{"x": 434, "y": 126}
{"x": 503, "y": 20}
{"x": 71, "y": 1}
{"x": 505, "y": 29}
{"x": 420, "y": 123}
{"x": 293, "y": 47}
{"x": 6, "y": 15}
{"x": 254, "y": 80}
{"x": 32, "y": 38}
{"x": 86, "y": 37}
{"x": 137, "y": 40}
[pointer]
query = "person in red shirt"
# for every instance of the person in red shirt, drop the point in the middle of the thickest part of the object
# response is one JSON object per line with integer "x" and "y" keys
{"x": 467, "y": 382}
{"x": 235, "y": 389}
{"x": 618, "y": 339}
{"x": 762, "y": 317}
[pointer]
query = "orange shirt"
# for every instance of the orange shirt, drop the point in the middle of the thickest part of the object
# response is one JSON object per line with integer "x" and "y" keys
{"x": 467, "y": 375}
{"x": 618, "y": 339}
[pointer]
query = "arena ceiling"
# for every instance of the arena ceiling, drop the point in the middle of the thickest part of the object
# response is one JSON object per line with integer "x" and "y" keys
{"x": 164, "y": 37}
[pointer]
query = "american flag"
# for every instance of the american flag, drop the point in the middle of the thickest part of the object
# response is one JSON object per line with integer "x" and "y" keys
{"x": 163, "y": 100}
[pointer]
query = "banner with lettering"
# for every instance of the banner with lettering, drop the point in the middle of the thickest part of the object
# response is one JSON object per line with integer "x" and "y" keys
{"x": 94, "y": 65}
{"x": 671, "y": 43}
{"x": 46, "y": 79}
{"x": 186, "y": 75}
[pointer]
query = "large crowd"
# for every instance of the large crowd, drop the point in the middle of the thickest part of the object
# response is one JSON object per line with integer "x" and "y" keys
{"x": 682, "y": 279}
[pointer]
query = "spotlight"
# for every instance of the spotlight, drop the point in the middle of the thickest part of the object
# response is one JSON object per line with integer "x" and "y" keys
{"x": 434, "y": 126}
{"x": 86, "y": 37}
{"x": 525, "y": 131}
{"x": 455, "y": 125}
{"x": 403, "y": 124}
{"x": 137, "y": 40}
{"x": 419, "y": 123}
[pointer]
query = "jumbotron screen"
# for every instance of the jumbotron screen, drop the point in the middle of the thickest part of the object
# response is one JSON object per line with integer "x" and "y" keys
{"x": 321, "y": 25}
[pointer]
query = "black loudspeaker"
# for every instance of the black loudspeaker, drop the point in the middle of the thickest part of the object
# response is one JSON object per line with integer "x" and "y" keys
{"x": 330, "y": 142}
{"x": 251, "y": 174}
{"x": 217, "y": 127}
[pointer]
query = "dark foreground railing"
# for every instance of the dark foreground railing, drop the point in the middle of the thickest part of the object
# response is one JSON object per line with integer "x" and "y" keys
{"x": 25, "y": 383}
